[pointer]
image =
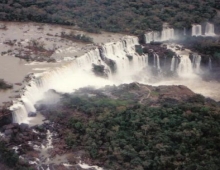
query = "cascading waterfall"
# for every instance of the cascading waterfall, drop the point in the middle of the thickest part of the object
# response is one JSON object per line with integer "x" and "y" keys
{"x": 69, "y": 77}
{"x": 149, "y": 37}
{"x": 196, "y": 62}
{"x": 167, "y": 34}
{"x": 185, "y": 68}
{"x": 118, "y": 52}
{"x": 196, "y": 30}
{"x": 209, "y": 30}
{"x": 157, "y": 36}
{"x": 152, "y": 36}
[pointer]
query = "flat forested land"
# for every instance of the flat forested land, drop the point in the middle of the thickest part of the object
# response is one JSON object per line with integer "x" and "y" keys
{"x": 141, "y": 127}
{"x": 115, "y": 16}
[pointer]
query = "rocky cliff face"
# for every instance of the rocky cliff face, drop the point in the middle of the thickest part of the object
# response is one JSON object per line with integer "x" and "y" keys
{"x": 5, "y": 117}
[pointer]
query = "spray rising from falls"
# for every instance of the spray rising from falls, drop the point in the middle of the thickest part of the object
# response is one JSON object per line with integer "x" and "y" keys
{"x": 185, "y": 68}
{"x": 119, "y": 57}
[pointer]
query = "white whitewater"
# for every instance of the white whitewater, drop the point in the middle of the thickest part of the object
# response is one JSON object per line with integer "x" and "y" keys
{"x": 149, "y": 37}
{"x": 196, "y": 62}
{"x": 152, "y": 37}
{"x": 196, "y": 30}
{"x": 156, "y": 61}
{"x": 78, "y": 73}
{"x": 209, "y": 30}
{"x": 173, "y": 61}
{"x": 185, "y": 68}
{"x": 157, "y": 36}
{"x": 167, "y": 34}
{"x": 118, "y": 52}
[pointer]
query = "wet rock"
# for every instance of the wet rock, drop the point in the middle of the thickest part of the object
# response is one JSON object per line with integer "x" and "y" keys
{"x": 32, "y": 114}
{"x": 51, "y": 60}
{"x": 18, "y": 84}
{"x": 8, "y": 132}
{"x": 23, "y": 162}
{"x": 24, "y": 126}
{"x": 10, "y": 126}
{"x": 18, "y": 139}
{"x": 15, "y": 130}
{"x": 40, "y": 107}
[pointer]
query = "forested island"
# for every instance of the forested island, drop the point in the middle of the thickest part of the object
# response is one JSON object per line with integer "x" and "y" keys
{"x": 133, "y": 16}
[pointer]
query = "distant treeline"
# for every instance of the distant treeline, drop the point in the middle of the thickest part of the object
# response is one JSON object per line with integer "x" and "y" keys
{"x": 133, "y": 16}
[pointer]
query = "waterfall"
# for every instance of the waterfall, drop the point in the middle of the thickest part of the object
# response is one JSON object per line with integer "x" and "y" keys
{"x": 196, "y": 62}
{"x": 167, "y": 34}
{"x": 149, "y": 37}
{"x": 78, "y": 73}
{"x": 172, "y": 67}
{"x": 209, "y": 30}
{"x": 157, "y": 36}
{"x": 210, "y": 64}
{"x": 156, "y": 61}
{"x": 174, "y": 63}
{"x": 185, "y": 68}
{"x": 196, "y": 30}
{"x": 20, "y": 114}
{"x": 152, "y": 36}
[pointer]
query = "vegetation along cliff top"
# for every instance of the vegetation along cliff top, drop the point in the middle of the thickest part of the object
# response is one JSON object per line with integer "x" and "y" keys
{"x": 115, "y": 16}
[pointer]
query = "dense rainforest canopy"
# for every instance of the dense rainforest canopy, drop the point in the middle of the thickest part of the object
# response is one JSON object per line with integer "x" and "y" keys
{"x": 140, "y": 127}
{"x": 131, "y": 16}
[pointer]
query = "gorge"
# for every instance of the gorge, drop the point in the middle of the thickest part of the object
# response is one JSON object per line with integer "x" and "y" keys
{"x": 115, "y": 63}
{"x": 106, "y": 84}
{"x": 121, "y": 63}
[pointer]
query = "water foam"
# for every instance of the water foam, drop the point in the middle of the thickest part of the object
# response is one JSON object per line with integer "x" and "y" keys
{"x": 78, "y": 73}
